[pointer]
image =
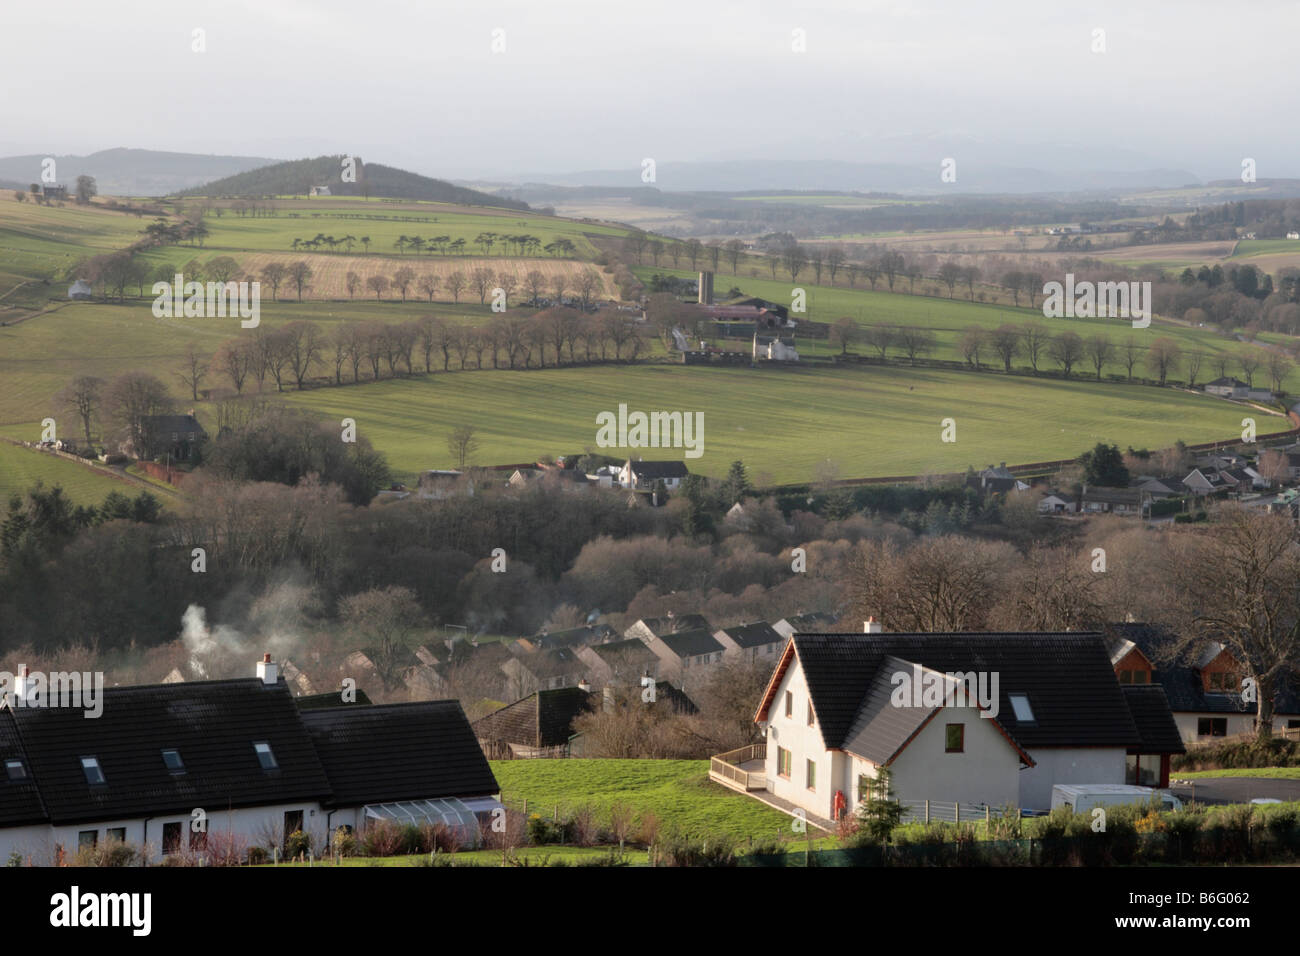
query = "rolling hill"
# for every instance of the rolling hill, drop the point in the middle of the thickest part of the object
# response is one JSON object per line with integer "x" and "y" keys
{"x": 297, "y": 177}
{"x": 131, "y": 172}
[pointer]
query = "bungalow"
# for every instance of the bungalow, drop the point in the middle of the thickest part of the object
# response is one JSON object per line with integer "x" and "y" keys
{"x": 1056, "y": 502}
{"x": 256, "y": 767}
{"x": 1204, "y": 691}
{"x": 537, "y": 725}
{"x": 639, "y": 475}
{"x": 1121, "y": 501}
{"x": 758, "y": 641}
{"x": 1203, "y": 482}
{"x": 833, "y": 715}
{"x": 1156, "y": 489}
{"x": 996, "y": 480}
{"x": 1235, "y": 388}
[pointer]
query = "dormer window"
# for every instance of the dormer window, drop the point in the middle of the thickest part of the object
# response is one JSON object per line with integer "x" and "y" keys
{"x": 1020, "y": 706}
{"x": 173, "y": 762}
{"x": 94, "y": 774}
{"x": 264, "y": 755}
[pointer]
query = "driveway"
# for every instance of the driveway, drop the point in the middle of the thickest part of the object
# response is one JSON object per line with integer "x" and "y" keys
{"x": 1234, "y": 789}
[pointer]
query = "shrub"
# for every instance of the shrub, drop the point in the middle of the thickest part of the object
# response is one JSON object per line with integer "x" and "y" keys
{"x": 343, "y": 843}
{"x": 677, "y": 850}
{"x": 257, "y": 855}
{"x": 297, "y": 844}
{"x": 382, "y": 838}
{"x": 542, "y": 831}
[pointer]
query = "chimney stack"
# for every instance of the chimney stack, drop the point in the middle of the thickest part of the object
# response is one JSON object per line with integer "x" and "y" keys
{"x": 23, "y": 686}
{"x": 584, "y": 686}
{"x": 871, "y": 626}
{"x": 266, "y": 669}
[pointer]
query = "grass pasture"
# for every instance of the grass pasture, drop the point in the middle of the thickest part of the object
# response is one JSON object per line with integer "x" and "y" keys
{"x": 678, "y": 792}
{"x": 21, "y": 468}
{"x": 869, "y": 420}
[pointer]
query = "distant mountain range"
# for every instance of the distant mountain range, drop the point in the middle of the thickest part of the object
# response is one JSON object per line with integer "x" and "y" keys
{"x": 749, "y": 175}
{"x": 130, "y": 172}
{"x": 299, "y": 176}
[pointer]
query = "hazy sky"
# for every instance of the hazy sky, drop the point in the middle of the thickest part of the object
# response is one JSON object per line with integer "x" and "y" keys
{"x": 589, "y": 85}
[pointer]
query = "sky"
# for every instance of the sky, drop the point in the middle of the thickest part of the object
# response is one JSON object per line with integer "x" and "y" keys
{"x": 577, "y": 85}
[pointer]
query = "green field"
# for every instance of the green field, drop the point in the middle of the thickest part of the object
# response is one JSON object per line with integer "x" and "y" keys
{"x": 383, "y": 224}
{"x": 871, "y": 421}
{"x": 1262, "y": 247}
{"x": 678, "y": 792}
{"x": 949, "y": 318}
{"x": 21, "y": 468}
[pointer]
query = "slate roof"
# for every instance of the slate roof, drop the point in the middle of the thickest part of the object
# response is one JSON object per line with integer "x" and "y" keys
{"x": 20, "y": 800}
{"x": 659, "y": 626}
{"x": 542, "y": 719}
{"x": 691, "y": 643}
{"x": 757, "y": 634}
{"x": 881, "y": 730}
{"x": 181, "y": 424}
{"x": 1073, "y": 691}
{"x": 552, "y": 662}
{"x": 213, "y": 725}
{"x": 625, "y": 653}
{"x": 1155, "y": 722}
{"x": 1182, "y": 681}
{"x": 650, "y": 470}
{"x": 390, "y": 752}
{"x": 333, "y": 698}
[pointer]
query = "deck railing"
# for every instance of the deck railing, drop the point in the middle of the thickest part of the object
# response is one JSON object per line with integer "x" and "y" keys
{"x": 726, "y": 768}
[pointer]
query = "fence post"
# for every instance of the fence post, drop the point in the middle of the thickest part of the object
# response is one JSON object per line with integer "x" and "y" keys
{"x": 956, "y": 812}
{"x": 927, "y": 812}
{"x": 988, "y": 815}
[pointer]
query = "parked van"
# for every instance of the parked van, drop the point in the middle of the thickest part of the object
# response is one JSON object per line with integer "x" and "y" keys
{"x": 1082, "y": 797}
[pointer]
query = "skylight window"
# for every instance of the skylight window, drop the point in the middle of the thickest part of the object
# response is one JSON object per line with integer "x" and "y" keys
{"x": 94, "y": 775}
{"x": 264, "y": 755}
{"x": 15, "y": 770}
{"x": 172, "y": 758}
{"x": 1020, "y": 704}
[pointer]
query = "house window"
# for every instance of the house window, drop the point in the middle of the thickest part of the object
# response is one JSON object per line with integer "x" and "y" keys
{"x": 15, "y": 770}
{"x": 864, "y": 787}
{"x": 812, "y": 775}
{"x": 1292, "y": 724}
{"x": 171, "y": 841}
{"x": 1212, "y": 727}
{"x": 116, "y": 834}
{"x": 1020, "y": 705}
{"x": 789, "y": 704}
{"x": 1143, "y": 769}
{"x": 1223, "y": 682}
{"x": 94, "y": 775}
{"x": 954, "y": 738}
{"x": 292, "y": 822}
{"x": 783, "y": 762}
{"x": 198, "y": 839}
{"x": 264, "y": 755}
{"x": 87, "y": 839}
{"x": 173, "y": 762}
{"x": 810, "y": 714}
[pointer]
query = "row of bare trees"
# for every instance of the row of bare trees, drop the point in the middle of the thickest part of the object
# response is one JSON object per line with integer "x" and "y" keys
{"x": 352, "y": 351}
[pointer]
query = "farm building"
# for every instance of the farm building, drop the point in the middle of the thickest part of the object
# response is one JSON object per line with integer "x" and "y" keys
{"x": 539, "y": 725}
{"x": 80, "y": 290}
{"x": 775, "y": 348}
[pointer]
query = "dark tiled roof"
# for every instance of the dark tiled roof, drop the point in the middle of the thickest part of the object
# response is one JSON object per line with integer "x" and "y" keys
{"x": 399, "y": 752}
{"x": 20, "y": 801}
{"x": 543, "y": 719}
{"x": 172, "y": 423}
{"x": 691, "y": 643}
{"x": 213, "y": 725}
{"x": 554, "y": 662}
{"x": 625, "y": 653}
{"x": 1068, "y": 678}
{"x": 757, "y": 634}
{"x": 659, "y": 469}
{"x": 333, "y": 698}
{"x": 1155, "y": 722}
{"x": 1182, "y": 681}
{"x": 659, "y": 626}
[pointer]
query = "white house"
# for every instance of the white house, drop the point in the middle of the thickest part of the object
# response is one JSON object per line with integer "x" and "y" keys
{"x": 195, "y": 766}
{"x": 639, "y": 475}
{"x": 1293, "y": 235}
{"x": 836, "y": 709}
{"x": 775, "y": 348}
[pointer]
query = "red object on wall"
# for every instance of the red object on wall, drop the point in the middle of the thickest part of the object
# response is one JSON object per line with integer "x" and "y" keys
{"x": 840, "y": 803}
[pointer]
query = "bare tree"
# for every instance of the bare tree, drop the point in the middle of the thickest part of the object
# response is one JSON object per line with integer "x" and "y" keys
{"x": 193, "y": 371}
{"x": 1006, "y": 343}
{"x": 462, "y": 443}
{"x": 1066, "y": 350}
{"x": 456, "y": 285}
{"x": 82, "y": 397}
{"x": 1163, "y": 357}
{"x": 1035, "y": 339}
